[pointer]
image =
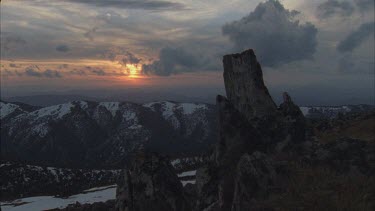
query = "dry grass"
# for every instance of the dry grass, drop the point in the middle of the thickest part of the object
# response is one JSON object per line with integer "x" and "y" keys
{"x": 316, "y": 188}
{"x": 363, "y": 128}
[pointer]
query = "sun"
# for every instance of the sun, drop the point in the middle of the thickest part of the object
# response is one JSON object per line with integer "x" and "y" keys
{"x": 134, "y": 70}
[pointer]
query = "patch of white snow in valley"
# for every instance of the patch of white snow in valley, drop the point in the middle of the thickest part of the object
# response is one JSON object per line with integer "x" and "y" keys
{"x": 305, "y": 110}
{"x": 38, "y": 203}
{"x": 57, "y": 111}
{"x": 187, "y": 173}
{"x": 187, "y": 182}
{"x": 112, "y": 107}
{"x": 190, "y": 108}
{"x": 175, "y": 162}
{"x": 7, "y": 108}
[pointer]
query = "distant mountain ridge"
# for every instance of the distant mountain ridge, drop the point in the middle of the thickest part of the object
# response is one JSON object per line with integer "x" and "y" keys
{"x": 86, "y": 133}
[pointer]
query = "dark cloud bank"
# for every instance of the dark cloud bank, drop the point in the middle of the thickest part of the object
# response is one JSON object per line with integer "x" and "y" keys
{"x": 274, "y": 33}
{"x": 62, "y": 48}
{"x": 271, "y": 30}
{"x": 33, "y": 72}
{"x": 174, "y": 61}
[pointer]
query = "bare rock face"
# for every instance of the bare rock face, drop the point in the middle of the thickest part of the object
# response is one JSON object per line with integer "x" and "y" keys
{"x": 236, "y": 137}
{"x": 244, "y": 85}
{"x": 150, "y": 183}
{"x": 253, "y": 181}
{"x": 293, "y": 123}
{"x": 250, "y": 126}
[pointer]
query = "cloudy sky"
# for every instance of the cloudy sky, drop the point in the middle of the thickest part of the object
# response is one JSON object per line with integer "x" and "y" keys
{"x": 321, "y": 51}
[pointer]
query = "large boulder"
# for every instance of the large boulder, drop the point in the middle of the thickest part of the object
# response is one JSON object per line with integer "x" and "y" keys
{"x": 150, "y": 183}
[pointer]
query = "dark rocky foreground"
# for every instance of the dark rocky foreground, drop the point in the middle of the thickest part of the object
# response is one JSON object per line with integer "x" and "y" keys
{"x": 97, "y": 206}
{"x": 264, "y": 159}
{"x": 20, "y": 181}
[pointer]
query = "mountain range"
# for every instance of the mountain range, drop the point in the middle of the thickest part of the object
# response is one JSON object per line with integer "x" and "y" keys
{"x": 103, "y": 134}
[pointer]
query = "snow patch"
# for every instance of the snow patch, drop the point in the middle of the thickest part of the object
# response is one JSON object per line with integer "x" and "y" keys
{"x": 190, "y": 108}
{"x": 168, "y": 114}
{"x": 149, "y": 105}
{"x": 7, "y": 108}
{"x": 135, "y": 127}
{"x": 305, "y": 110}
{"x": 57, "y": 111}
{"x": 101, "y": 194}
{"x": 187, "y": 182}
{"x": 130, "y": 116}
{"x": 187, "y": 173}
{"x": 40, "y": 129}
{"x": 112, "y": 107}
{"x": 83, "y": 104}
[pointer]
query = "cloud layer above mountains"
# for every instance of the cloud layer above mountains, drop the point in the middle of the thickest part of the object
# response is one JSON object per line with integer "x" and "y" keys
{"x": 85, "y": 39}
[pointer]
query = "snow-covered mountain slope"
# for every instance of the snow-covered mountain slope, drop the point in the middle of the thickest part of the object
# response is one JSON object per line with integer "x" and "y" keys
{"x": 91, "y": 133}
{"x": 7, "y": 109}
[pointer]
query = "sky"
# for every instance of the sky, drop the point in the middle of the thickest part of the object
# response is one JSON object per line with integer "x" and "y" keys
{"x": 321, "y": 51}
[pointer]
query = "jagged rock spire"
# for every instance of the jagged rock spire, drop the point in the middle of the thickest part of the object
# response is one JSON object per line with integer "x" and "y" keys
{"x": 245, "y": 87}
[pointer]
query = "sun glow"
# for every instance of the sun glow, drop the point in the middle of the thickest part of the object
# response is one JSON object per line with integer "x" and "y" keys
{"x": 133, "y": 70}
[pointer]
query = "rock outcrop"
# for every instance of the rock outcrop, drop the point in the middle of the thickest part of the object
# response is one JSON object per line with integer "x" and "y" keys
{"x": 253, "y": 181}
{"x": 243, "y": 78}
{"x": 150, "y": 183}
{"x": 250, "y": 124}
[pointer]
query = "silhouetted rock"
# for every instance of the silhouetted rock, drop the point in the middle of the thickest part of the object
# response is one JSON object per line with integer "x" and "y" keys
{"x": 249, "y": 124}
{"x": 150, "y": 183}
{"x": 293, "y": 123}
{"x": 236, "y": 137}
{"x": 244, "y": 85}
